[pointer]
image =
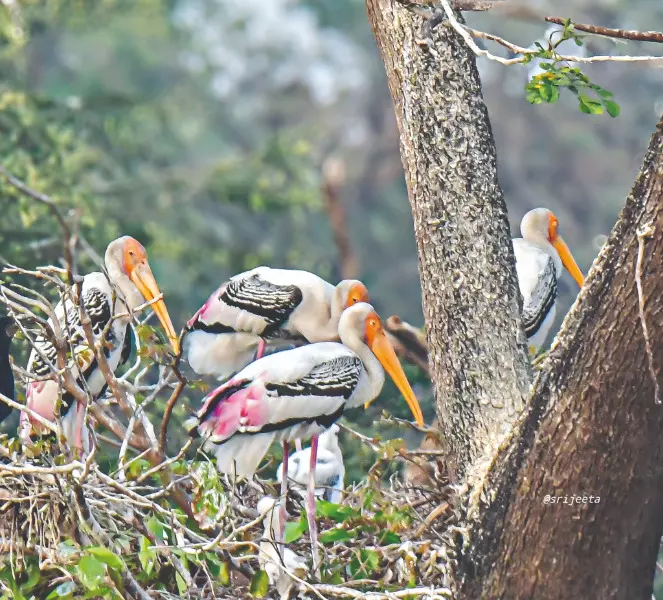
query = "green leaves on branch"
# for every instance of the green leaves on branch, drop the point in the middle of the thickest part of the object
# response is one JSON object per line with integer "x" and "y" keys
{"x": 546, "y": 87}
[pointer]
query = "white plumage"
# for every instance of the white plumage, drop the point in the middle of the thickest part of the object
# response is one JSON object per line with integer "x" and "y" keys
{"x": 329, "y": 468}
{"x": 264, "y": 305}
{"x": 540, "y": 256}
{"x": 128, "y": 283}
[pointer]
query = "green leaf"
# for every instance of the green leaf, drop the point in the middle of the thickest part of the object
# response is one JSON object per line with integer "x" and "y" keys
{"x": 106, "y": 556}
{"x": 259, "y": 584}
{"x": 335, "y": 512}
{"x": 604, "y": 94}
{"x": 293, "y": 531}
{"x": 157, "y": 529}
{"x": 612, "y": 108}
{"x": 181, "y": 584}
{"x": 389, "y": 537}
{"x": 146, "y": 555}
{"x": 91, "y": 572}
{"x": 64, "y": 590}
{"x": 34, "y": 575}
{"x": 224, "y": 574}
{"x": 335, "y": 535}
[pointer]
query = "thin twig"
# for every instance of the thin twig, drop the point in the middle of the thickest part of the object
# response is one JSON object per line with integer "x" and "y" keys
{"x": 624, "y": 34}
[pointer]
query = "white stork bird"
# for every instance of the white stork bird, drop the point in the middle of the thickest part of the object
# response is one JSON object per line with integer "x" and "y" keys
{"x": 298, "y": 394}
{"x": 329, "y": 467}
{"x": 277, "y": 564}
{"x": 128, "y": 283}
{"x": 540, "y": 255}
{"x": 264, "y": 305}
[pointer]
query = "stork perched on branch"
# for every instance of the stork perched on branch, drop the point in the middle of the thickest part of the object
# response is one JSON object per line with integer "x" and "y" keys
{"x": 540, "y": 255}
{"x": 261, "y": 306}
{"x": 298, "y": 394}
{"x": 108, "y": 299}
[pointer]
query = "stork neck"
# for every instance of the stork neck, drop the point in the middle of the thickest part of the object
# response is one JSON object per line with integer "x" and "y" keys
{"x": 126, "y": 289}
{"x": 542, "y": 242}
{"x": 371, "y": 364}
{"x": 329, "y": 441}
{"x": 329, "y": 330}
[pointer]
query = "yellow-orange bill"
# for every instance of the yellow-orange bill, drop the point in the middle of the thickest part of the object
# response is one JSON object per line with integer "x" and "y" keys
{"x": 385, "y": 353}
{"x": 568, "y": 261}
{"x": 144, "y": 280}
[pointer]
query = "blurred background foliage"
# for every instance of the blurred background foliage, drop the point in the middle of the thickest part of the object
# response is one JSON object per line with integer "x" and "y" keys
{"x": 201, "y": 127}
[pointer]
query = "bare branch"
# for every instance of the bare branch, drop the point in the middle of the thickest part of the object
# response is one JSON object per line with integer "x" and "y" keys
{"x": 625, "y": 34}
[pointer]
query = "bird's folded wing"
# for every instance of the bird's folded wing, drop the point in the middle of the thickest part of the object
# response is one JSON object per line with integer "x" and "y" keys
{"x": 252, "y": 305}
{"x": 541, "y": 299}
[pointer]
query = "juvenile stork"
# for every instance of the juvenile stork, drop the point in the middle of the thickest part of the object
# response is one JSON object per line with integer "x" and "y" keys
{"x": 540, "y": 255}
{"x": 329, "y": 467}
{"x": 7, "y": 330}
{"x": 260, "y": 306}
{"x": 111, "y": 296}
{"x": 298, "y": 394}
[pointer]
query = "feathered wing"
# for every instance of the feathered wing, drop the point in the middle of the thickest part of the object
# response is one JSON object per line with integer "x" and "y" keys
{"x": 537, "y": 279}
{"x": 250, "y": 304}
{"x": 42, "y": 395}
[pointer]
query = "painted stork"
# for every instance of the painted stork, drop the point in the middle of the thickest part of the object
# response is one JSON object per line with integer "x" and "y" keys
{"x": 263, "y": 305}
{"x": 298, "y": 394}
{"x": 329, "y": 467}
{"x": 277, "y": 562}
{"x": 540, "y": 255}
{"x": 127, "y": 283}
{"x": 7, "y": 330}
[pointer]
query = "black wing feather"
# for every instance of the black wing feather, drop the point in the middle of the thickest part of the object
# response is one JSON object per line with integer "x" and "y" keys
{"x": 336, "y": 377}
{"x": 98, "y": 309}
{"x": 272, "y": 302}
{"x": 541, "y": 301}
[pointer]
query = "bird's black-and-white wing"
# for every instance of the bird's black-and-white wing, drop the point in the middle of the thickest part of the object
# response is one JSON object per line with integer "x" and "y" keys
{"x": 537, "y": 280}
{"x": 97, "y": 306}
{"x": 250, "y": 304}
{"x": 541, "y": 300}
{"x": 337, "y": 377}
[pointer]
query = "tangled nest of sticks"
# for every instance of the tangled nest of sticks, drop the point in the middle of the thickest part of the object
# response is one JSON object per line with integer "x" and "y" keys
{"x": 73, "y": 529}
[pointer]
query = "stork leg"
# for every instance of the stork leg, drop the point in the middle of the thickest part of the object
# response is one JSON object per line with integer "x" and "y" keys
{"x": 78, "y": 428}
{"x": 284, "y": 492}
{"x": 310, "y": 503}
{"x": 260, "y": 352}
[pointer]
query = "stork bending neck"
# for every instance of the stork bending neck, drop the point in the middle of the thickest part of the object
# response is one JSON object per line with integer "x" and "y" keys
{"x": 351, "y": 339}
{"x": 541, "y": 241}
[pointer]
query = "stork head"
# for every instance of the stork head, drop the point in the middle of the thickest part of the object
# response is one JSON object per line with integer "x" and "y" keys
{"x": 350, "y": 292}
{"x": 540, "y": 224}
{"x": 363, "y": 320}
{"x": 126, "y": 256}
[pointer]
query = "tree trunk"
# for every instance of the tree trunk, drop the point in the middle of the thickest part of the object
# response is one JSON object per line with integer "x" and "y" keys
{"x": 471, "y": 301}
{"x": 592, "y": 427}
{"x": 598, "y": 433}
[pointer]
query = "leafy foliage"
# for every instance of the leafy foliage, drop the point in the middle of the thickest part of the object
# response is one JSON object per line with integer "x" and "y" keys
{"x": 545, "y": 87}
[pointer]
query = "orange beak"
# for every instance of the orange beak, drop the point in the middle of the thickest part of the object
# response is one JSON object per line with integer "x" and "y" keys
{"x": 385, "y": 353}
{"x": 568, "y": 261}
{"x": 143, "y": 279}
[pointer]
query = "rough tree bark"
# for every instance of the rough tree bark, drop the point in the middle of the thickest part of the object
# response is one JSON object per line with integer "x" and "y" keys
{"x": 471, "y": 301}
{"x": 591, "y": 426}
